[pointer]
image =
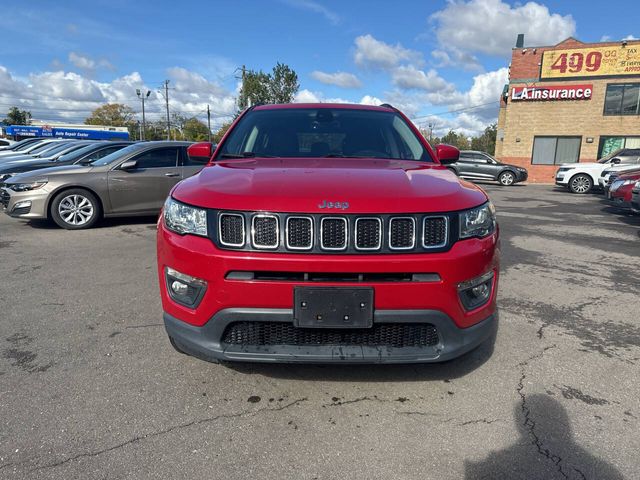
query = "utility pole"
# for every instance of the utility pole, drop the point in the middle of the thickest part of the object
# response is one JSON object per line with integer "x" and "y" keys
{"x": 143, "y": 96}
{"x": 209, "y": 121}
{"x": 166, "y": 99}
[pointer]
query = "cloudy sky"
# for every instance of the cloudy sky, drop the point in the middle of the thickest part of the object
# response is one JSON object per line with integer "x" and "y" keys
{"x": 442, "y": 62}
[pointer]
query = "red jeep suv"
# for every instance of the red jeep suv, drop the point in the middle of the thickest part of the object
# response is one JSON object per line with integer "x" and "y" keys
{"x": 327, "y": 233}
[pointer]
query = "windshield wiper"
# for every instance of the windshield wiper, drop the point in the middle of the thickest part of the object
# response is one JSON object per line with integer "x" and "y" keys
{"x": 339, "y": 155}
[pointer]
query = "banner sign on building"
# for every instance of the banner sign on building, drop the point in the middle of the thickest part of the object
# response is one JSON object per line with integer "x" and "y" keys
{"x": 591, "y": 62}
{"x": 73, "y": 133}
{"x": 549, "y": 93}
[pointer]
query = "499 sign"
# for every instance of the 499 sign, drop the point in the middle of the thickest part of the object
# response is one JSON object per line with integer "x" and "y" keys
{"x": 591, "y": 62}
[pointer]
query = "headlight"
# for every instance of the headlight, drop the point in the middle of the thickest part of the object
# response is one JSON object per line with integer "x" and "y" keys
{"x": 25, "y": 187}
{"x": 183, "y": 219}
{"x": 478, "y": 222}
{"x": 520, "y": 169}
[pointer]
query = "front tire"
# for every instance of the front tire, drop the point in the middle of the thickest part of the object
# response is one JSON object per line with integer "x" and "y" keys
{"x": 580, "y": 183}
{"x": 507, "y": 179}
{"x": 75, "y": 209}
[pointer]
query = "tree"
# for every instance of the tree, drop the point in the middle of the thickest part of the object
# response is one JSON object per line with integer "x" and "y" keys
{"x": 456, "y": 139}
{"x": 15, "y": 116}
{"x": 195, "y": 130}
{"x": 280, "y": 86}
{"x": 220, "y": 133}
{"x": 112, "y": 114}
{"x": 487, "y": 141}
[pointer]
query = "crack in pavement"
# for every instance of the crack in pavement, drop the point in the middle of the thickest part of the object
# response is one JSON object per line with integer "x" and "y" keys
{"x": 529, "y": 423}
{"x": 158, "y": 433}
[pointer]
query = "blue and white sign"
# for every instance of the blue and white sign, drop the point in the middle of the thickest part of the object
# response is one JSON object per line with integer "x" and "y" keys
{"x": 80, "y": 134}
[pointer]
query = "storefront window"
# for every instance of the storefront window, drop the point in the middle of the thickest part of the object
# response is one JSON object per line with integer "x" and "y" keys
{"x": 555, "y": 150}
{"x": 622, "y": 99}
{"x": 608, "y": 145}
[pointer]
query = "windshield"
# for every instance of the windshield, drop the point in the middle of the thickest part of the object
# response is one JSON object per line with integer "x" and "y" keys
{"x": 79, "y": 153}
{"x": 58, "y": 148}
{"x": 44, "y": 147}
{"x": 118, "y": 155}
{"x": 22, "y": 144}
{"x": 323, "y": 132}
{"x": 610, "y": 156}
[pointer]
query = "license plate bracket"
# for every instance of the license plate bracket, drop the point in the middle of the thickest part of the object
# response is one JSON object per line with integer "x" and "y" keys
{"x": 333, "y": 307}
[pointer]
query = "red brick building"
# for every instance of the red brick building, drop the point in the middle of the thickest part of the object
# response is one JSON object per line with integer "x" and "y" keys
{"x": 567, "y": 103}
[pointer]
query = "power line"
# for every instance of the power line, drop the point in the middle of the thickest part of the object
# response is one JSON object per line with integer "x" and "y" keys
{"x": 473, "y": 107}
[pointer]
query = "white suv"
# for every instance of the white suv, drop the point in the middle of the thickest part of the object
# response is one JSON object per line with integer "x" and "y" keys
{"x": 582, "y": 177}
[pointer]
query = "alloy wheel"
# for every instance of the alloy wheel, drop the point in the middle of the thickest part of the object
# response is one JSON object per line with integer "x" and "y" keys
{"x": 75, "y": 209}
{"x": 507, "y": 178}
{"x": 580, "y": 184}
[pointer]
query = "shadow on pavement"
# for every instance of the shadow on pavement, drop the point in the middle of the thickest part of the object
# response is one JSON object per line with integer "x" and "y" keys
{"x": 345, "y": 372}
{"x": 104, "y": 223}
{"x": 545, "y": 449}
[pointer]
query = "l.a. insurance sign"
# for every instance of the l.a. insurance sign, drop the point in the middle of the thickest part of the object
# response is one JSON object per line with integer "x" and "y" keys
{"x": 551, "y": 93}
{"x": 591, "y": 62}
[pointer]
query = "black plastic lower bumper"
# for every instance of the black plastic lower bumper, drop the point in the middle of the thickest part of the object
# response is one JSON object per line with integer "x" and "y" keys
{"x": 206, "y": 342}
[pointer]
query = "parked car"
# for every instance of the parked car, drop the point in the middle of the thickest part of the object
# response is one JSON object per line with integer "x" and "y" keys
{"x": 635, "y": 198}
{"x": 36, "y": 150}
{"x": 609, "y": 175}
{"x": 620, "y": 191}
{"x": 583, "y": 176}
{"x": 475, "y": 165}
{"x": 5, "y": 142}
{"x": 327, "y": 233}
{"x": 24, "y": 148}
{"x": 16, "y": 145}
{"x": 52, "y": 152}
{"x": 82, "y": 153}
{"x": 132, "y": 181}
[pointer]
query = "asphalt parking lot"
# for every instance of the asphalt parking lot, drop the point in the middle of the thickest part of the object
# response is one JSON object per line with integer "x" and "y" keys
{"x": 91, "y": 388}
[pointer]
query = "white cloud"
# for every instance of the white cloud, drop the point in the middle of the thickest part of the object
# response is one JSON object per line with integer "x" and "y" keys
{"x": 491, "y": 26}
{"x": 629, "y": 37}
{"x": 83, "y": 62}
{"x": 69, "y": 96}
{"x": 409, "y": 77}
{"x": 315, "y": 7}
{"x": 373, "y": 53}
{"x": 456, "y": 58}
{"x": 340, "y": 79}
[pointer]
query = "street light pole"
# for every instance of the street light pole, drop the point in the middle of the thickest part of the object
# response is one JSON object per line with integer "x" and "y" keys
{"x": 142, "y": 97}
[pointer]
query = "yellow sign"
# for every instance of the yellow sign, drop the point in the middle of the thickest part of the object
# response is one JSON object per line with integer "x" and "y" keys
{"x": 591, "y": 62}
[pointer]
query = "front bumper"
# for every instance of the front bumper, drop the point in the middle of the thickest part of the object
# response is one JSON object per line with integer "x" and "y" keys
{"x": 206, "y": 342}
{"x": 521, "y": 176}
{"x": 10, "y": 200}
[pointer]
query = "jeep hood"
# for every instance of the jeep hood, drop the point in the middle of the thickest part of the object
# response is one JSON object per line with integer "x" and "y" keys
{"x": 585, "y": 165}
{"x": 303, "y": 184}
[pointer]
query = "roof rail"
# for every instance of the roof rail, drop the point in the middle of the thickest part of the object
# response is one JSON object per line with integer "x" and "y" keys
{"x": 388, "y": 105}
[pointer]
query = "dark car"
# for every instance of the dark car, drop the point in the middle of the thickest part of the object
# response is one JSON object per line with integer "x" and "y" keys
{"x": 85, "y": 154}
{"x": 475, "y": 165}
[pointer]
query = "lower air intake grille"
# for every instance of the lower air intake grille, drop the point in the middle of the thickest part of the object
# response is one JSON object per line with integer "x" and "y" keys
{"x": 334, "y": 233}
{"x": 396, "y": 335}
{"x": 435, "y": 232}
{"x": 265, "y": 231}
{"x": 232, "y": 229}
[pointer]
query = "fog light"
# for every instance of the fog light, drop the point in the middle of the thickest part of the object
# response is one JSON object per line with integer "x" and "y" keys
{"x": 476, "y": 292}
{"x": 22, "y": 204}
{"x": 184, "y": 289}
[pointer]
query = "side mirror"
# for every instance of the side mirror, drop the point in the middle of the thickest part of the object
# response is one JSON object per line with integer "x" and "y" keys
{"x": 201, "y": 150}
{"x": 615, "y": 160}
{"x": 129, "y": 165}
{"x": 447, "y": 154}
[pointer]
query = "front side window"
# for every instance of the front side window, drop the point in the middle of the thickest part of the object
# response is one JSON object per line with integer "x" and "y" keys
{"x": 323, "y": 132}
{"x": 158, "y": 158}
{"x": 555, "y": 150}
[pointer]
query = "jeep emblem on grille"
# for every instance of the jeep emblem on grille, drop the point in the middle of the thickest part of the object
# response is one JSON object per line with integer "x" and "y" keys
{"x": 339, "y": 205}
